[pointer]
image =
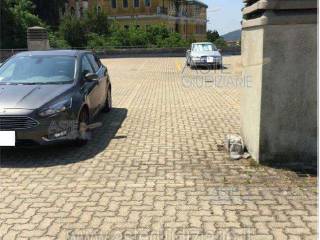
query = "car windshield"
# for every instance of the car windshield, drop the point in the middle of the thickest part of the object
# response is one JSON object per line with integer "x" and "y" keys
{"x": 204, "y": 47}
{"x": 38, "y": 70}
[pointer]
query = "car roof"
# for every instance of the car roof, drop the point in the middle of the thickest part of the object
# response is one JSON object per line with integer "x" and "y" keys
{"x": 202, "y": 43}
{"x": 72, "y": 53}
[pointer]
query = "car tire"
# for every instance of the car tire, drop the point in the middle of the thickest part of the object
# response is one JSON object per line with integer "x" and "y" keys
{"x": 108, "y": 104}
{"x": 83, "y": 119}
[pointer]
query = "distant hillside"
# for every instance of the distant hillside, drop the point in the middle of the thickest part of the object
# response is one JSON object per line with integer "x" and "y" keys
{"x": 233, "y": 36}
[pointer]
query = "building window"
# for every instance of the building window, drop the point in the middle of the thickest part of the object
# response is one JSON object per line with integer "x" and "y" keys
{"x": 136, "y": 3}
{"x": 72, "y": 11}
{"x": 99, "y": 10}
{"x": 125, "y": 3}
{"x": 147, "y": 3}
{"x": 177, "y": 27}
{"x": 198, "y": 29}
{"x": 85, "y": 5}
{"x": 114, "y": 3}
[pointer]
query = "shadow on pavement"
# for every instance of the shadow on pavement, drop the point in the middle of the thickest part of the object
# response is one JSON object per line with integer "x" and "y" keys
{"x": 210, "y": 68}
{"x": 66, "y": 153}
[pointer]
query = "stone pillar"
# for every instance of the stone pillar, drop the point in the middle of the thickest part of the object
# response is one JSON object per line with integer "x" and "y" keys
{"x": 279, "y": 53}
{"x": 37, "y": 39}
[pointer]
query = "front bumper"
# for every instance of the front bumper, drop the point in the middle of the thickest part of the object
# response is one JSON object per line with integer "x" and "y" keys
{"x": 57, "y": 128}
{"x": 204, "y": 62}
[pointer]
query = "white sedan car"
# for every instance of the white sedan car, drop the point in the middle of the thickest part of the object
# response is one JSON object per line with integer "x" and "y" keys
{"x": 204, "y": 54}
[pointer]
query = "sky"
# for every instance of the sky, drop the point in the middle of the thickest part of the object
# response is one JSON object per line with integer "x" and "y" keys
{"x": 224, "y": 15}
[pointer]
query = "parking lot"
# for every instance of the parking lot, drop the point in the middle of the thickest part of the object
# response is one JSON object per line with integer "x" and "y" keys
{"x": 155, "y": 170}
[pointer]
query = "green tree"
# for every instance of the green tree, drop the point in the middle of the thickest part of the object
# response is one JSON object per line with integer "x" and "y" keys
{"x": 7, "y": 22}
{"x": 220, "y": 43}
{"x": 49, "y": 10}
{"x": 157, "y": 33}
{"x": 16, "y": 17}
{"x": 212, "y": 36}
{"x": 90, "y": 30}
{"x": 74, "y": 31}
{"x": 97, "y": 22}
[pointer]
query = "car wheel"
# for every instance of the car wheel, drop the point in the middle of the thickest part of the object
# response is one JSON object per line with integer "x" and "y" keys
{"x": 108, "y": 104}
{"x": 83, "y": 122}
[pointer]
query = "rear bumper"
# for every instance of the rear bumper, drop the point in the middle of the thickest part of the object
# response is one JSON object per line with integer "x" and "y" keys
{"x": 216, "y": 62}
{"x": 207, "y": 64}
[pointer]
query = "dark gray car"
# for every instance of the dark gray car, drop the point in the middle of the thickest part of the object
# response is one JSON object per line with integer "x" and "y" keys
{"x": 51, "y": 96}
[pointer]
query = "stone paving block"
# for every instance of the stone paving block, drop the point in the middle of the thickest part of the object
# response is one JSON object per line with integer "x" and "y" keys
{"x": 154, "y": 167}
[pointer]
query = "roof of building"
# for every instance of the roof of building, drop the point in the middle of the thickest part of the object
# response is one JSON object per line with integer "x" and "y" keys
{"x": 197, "y": 2}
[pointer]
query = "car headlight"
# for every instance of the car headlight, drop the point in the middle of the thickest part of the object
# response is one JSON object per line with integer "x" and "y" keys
{"x": 195, "y": 58}
{"x": 57, "y": 107}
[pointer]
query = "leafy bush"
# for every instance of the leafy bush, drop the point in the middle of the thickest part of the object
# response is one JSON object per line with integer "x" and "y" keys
{"x": 214, "y": 37}
{"x": 96, "y": 41}
{"x": 137, "y": 37}
{"x": 57, "y": 41}
{"x": 173, "y": 40}
{"x": 74, "y": 31}
{"x": 156, "y": 34}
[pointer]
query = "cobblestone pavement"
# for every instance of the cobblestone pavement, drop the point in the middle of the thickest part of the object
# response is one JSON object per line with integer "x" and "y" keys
{"x": 155, "y": 170}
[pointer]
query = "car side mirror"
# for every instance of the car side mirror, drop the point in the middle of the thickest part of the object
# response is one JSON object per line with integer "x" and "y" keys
{"x": 90, "y": 77}
{"x": 220, "y": 50}
{"x": 189, "y": 51}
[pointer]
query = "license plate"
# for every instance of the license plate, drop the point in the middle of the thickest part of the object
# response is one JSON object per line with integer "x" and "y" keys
{"x": 7, "y": 138}
{"x": 210, "y": 59}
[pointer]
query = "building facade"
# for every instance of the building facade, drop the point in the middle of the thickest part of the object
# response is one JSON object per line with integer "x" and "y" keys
{"x": 187, "y": 17}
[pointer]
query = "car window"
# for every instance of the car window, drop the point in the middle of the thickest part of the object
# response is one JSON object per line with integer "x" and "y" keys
{"x": 97, "y": 61}
{"x": 86, "y": 66}
{"x": 8, "y": 71}
{"x": 93, "y": 62}
{"x": 38, "y": 70}
{"x": 203, "y": 47}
